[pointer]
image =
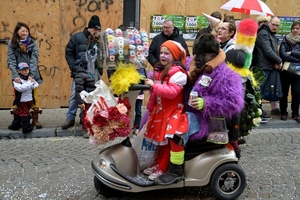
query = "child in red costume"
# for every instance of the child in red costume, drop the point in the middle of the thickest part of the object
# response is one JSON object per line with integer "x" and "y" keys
{"x": 167, "y": 121}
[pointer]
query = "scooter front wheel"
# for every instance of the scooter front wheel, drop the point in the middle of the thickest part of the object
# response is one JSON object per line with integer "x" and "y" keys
{"x": 105, "y": 190}
{"x": 228, "y": 181}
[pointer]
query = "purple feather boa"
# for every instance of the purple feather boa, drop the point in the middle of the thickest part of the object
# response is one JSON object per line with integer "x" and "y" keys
{"x": 223, "y": 97}
{"x": 188, "y": 62}
{"x": 144, "y": 119}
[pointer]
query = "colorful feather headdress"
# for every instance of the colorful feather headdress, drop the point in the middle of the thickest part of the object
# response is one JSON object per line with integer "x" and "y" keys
{"x": 245, "y": 39}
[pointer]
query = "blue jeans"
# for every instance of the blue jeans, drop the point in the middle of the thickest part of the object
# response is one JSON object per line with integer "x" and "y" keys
{"x": 73, "y": 103}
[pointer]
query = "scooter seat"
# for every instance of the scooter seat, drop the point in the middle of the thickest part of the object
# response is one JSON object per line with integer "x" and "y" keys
{"x": 195, "y": 147}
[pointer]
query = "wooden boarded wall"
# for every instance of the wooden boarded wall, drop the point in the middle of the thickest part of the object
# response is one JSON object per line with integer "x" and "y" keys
{"x": 52, "y": 22}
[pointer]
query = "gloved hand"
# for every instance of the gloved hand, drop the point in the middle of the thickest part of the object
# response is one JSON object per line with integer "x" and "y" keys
{"x": 197, "y": 103}
{"x": 200, "y": 103}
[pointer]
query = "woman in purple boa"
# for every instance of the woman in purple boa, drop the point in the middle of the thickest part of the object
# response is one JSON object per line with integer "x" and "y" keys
{"x": 220, "y": 91}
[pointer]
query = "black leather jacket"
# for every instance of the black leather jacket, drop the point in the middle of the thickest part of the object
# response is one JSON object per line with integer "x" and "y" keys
{"x": 265, "y": 54}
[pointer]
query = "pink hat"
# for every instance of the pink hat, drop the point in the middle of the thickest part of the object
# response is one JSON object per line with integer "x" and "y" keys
{"x": 212, "y": 20}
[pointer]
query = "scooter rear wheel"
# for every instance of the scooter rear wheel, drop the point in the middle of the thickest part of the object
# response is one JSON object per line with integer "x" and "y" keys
{"x": 105, "y": 190}
{"x": 228, "y": 181}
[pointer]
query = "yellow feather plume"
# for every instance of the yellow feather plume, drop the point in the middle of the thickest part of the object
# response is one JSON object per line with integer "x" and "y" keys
{"x": 243, "y": 72}
{"x": 125, "y": 75}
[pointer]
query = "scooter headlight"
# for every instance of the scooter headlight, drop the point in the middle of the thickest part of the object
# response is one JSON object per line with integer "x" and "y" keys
{"x": 102, "y": 164}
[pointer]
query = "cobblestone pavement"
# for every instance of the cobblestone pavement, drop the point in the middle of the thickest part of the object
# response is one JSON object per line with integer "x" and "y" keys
{"x": 59, "y": 168}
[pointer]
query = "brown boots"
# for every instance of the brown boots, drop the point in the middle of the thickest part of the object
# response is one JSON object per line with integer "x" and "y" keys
{"x": 35, "y": 117}
{"x": 34, "y": 114}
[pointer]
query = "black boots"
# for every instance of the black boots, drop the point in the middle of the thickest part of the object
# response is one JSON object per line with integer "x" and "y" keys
{"x": 173, "y": 175}
{"x": 23, "y": 122}
{"x": 16, "y": 123}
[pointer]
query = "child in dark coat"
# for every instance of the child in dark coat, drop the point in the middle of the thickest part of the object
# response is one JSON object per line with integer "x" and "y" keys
{"x": 84, "y": 80}
{"x": 24, "y": 99}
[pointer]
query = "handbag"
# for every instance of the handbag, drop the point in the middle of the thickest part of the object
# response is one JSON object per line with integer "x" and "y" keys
{"x": 271, "y": 88}
{"x": 291, "y": 69}
{"x": 217, "y": 131}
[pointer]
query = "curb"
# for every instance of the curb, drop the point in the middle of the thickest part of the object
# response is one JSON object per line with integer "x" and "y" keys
{"x": 77, "y": 131}
{"x": 290, "y": 123}
{"x": 41, "y": 133}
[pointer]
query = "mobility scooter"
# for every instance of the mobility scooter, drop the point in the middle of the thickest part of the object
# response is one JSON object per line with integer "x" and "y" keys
{"x": 117, "y": 167}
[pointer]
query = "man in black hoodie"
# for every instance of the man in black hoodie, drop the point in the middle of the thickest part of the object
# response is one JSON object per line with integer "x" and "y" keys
{"x": 169, "y": 32}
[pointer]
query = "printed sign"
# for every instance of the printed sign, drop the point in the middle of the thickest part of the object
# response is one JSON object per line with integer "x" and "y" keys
{"x": 192, "y": 25}
{"x": 285, "y": 26}
{"x": 188, "y": 25}
{"x": 157, "y": 21}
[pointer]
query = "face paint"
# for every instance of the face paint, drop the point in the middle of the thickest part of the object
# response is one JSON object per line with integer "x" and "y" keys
{"x": 165, "y": 56}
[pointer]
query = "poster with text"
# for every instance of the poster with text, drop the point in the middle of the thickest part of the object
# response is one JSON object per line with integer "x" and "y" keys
{"x": 156, "y": 22}
{"x": 285, "y": 26}
{"x": 192, "y": 25}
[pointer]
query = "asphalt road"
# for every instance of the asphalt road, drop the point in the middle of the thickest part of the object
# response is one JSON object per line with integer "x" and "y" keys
{"x": 59, "y": 168}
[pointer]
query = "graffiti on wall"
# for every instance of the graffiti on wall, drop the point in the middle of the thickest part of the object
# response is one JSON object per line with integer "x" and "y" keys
{"x": 79, "y": 21}
{"x": 94, "y": 5}
{"x": 37, "y": 31}
{"x": 48, "y": 72}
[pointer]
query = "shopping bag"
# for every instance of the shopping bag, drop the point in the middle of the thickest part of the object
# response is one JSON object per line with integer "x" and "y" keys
{"x": 101, "y": 90}
{"x": 271, "y": 88}
{"x": 145, "y": 151}
{"x": 217, "y": 131}
{"x": 100, "y": 99}
{"x": 291, "y": 69}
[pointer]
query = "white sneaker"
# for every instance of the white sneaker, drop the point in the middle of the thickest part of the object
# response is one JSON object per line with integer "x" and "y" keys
{"x": 156, "y": 174}
{"x": 150, "y": 170}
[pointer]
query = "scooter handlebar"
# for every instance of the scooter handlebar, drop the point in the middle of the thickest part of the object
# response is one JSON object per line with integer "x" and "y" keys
{"x": 139, "y": 87}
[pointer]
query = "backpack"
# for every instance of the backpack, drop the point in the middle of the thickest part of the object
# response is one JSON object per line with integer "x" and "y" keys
{"x": 271, "y": 88}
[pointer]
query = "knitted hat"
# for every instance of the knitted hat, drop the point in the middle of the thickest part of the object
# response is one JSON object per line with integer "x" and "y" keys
{"x": 177, "y": 51}
{"x": 206, "y": 43}
{"x": 94, "y": 22}
{"x": 214, "y": 22}
{"x": 263, "y": 18}
{"x": 22, "y": 65}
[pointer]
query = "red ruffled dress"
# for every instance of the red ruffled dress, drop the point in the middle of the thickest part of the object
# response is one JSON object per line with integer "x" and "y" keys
{"x": 166, "y": 107}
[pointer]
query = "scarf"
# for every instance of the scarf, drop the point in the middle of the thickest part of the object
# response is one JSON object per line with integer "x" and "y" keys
{"x": 23, "y": 45}
{"x": 223, "y": 44}
{"x": 292, "y": 39}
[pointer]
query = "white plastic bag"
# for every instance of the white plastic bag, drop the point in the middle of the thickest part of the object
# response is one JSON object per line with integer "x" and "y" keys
{"x": 101, "y": 90}
{"x": 93, "y": 97}
{"x": 145, "y": 151}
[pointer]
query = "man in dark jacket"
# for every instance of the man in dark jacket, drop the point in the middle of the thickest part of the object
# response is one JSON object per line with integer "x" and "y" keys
{"x": 75, "y": 49}
{"x": 265, "y": 54}
{"x": 169, "y": 32}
